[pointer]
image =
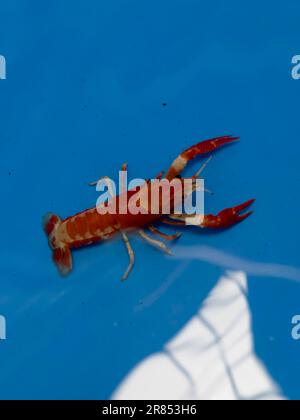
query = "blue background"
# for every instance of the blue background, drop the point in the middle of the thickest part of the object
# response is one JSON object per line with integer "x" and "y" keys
{"x": 85, "y": 85}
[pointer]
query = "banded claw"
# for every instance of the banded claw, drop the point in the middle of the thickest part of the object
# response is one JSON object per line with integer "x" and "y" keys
{"x": 228, "y": 217}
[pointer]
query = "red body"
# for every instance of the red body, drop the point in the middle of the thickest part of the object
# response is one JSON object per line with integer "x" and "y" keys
{"x": 90, "y": 227}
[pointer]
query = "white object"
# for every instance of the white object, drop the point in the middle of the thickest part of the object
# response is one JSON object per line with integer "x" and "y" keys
{"x": 211, "y": 358}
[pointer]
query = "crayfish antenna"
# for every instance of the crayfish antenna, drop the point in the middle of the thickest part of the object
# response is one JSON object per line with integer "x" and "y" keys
{"x": 199, "y": 172}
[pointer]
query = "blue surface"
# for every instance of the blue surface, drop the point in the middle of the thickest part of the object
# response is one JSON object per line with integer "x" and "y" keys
{"x": 84, "y": 92}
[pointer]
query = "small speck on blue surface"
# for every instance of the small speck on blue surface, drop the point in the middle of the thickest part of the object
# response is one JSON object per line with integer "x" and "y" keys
{"x": 91, "y": 85}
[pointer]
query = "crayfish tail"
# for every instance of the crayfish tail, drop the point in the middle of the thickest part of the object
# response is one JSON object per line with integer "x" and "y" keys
{"x": 62, "y": 256}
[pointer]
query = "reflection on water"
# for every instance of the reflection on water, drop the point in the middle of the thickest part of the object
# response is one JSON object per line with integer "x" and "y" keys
{"x": 153, "y": 297}
{"x": 212, "y": 357}
{"x": 226, "y": 260}
{"x": 222, "y": 259}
